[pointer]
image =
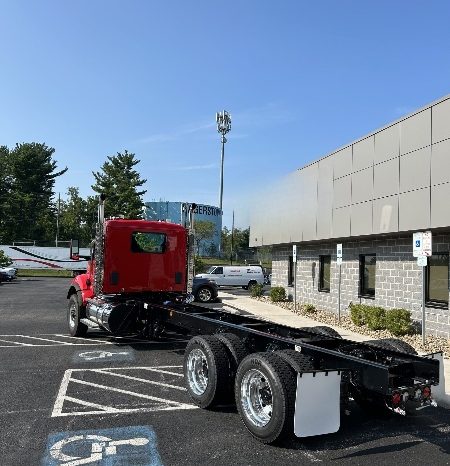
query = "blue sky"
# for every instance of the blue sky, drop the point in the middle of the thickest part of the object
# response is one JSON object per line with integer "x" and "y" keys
{"x": 300, "y": 78}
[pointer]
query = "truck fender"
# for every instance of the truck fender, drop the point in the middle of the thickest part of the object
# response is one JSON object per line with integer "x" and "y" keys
{"x": 75, "y": 289}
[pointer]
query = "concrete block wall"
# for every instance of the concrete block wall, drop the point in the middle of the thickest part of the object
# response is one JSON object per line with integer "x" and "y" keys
{"x": 398, "y": 278}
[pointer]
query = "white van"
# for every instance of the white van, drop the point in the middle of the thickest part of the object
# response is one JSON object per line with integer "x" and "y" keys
{"x": 235, "y": 275}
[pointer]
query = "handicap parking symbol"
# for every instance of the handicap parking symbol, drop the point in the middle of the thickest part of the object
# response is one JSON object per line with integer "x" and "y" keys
{"x": 104, "y": 447}
{"x": 101, "y": 355}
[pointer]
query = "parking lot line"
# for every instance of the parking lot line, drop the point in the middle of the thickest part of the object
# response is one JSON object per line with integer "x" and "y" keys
{"x": 13, "y": 343}
{"x": 76, "y": 338}
{"x": 128, "y": 392}
{"x": 45, "y": 339}
{"x": 138, "y": 379}
{"x": 163, "y": 404}
{"x": 108, "y": 409}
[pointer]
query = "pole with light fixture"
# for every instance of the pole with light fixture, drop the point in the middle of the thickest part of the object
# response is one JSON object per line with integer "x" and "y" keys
{"x": 223, "y": 120}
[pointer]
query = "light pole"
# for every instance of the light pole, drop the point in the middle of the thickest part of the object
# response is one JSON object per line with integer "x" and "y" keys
{"x": 223, "y": 120}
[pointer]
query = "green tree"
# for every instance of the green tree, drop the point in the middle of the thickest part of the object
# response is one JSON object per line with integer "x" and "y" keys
{"x": 31, "y": 213}
{"x": 204, "y": 232}
{"x": 120, "y": 182}
{"x": 5, "y": 193}
{"x": 5, "y": 261}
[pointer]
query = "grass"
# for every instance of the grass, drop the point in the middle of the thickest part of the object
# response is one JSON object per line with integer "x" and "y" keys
{"x": 44, "y": 273}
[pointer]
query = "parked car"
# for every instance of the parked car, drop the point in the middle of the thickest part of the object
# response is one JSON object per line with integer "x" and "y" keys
{"x": 8, "y": 273}
{"x": 204, "y": 290}
{"x": 235, "y": 275}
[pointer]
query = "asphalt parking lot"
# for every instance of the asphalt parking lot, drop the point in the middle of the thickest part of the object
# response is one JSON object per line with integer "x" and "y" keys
{"x": 105, "y": 401}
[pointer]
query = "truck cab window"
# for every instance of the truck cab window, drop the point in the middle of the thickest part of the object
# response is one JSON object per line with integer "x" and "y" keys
{"x": 218, "y": 270}
{"x": 148, "y": 242}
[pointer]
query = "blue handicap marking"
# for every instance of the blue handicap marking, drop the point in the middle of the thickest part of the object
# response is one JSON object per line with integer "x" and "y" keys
{"x": 417, "y": 243}
{"x": 134, "y": 445}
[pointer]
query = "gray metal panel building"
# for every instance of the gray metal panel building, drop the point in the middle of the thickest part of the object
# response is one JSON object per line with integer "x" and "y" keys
{"x": 370, "y": 196}
{"x": 393, "y": 180}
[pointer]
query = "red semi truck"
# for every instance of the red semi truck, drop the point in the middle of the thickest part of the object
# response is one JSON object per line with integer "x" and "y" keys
{"x": 284, "y": 380}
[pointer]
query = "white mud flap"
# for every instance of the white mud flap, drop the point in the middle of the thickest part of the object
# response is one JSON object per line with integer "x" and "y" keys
{"x": 438, "y": 391}
{"x": 317, "y": 403}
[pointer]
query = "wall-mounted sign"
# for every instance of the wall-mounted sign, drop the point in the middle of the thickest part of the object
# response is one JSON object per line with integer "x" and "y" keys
{"x": 422, "y": 261}
{"x": 339, "y": 250}
{"x": 422, "y": 244}
{"x": 294, "y": 253}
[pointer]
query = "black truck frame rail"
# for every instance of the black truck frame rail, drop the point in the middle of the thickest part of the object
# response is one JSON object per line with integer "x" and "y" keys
{"x": 379, "y": 370}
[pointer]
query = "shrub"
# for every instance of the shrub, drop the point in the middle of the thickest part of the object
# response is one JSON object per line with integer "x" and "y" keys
{"x": 256, "y": 290}
{"x": 309, "y": 308}
{"x": 375, "y": 317}
{"x": 5, "y": 261}
{"x": 199, "y": 265}
{"x": 398, "y": 321}
{"x": 277, "y": 294}
{"x": 358, "y": 314}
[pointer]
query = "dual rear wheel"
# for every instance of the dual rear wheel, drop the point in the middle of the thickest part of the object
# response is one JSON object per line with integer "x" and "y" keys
{"x": 264, "y": 383}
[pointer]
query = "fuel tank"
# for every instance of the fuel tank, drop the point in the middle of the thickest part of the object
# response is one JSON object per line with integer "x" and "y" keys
{"x": 117, "y": 317}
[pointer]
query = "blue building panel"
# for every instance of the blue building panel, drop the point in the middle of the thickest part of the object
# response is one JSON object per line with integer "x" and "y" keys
{"x": 173, "y": 212}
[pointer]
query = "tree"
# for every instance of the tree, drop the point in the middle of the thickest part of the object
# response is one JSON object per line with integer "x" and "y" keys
{"x": 5, "y": 193}
{"x": 120, "y": 182}
{"x": 204, "y": 231}
{"x": 31, "y": 174}
{"x": 77, "y": 217}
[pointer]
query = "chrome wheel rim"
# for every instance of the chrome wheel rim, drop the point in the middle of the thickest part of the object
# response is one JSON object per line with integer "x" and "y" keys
{"x": 204, "y": 295}
{"x": 197, "y": 371}
{"x": 72, "y": 315}
{"x": 256, "y": 398}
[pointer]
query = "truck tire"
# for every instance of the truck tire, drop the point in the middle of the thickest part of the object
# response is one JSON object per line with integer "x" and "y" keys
{"x": 296, "y": 360}
{"x": 236, "y": 351}
{"x": 323, "y": 330}
{"x": 265, "y": 390}
{"x": 206, "y": 371}
{"x": 76, "y": 328}
{"x": 396, "y": 344}
{"x": 235, "y": 348}
{"x": 204, "y": 294}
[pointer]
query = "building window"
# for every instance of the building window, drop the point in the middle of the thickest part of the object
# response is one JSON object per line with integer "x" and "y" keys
{"x": 324, "y": 273}
{"x": 367, "y": 263}
{"x": 436, "y": 292}
{"x": 291, "y": 271}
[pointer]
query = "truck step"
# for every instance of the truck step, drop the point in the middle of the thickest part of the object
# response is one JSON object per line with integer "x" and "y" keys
{"x": 89, "y": 323}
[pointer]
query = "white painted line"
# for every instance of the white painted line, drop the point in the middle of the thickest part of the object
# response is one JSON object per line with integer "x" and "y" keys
{"x": 46, "y": 339}
{"x": 128, "y": 392}
{"x": 132, "y": 368}
{"x": 163, "y": 371}
{"x": 51, "y": 346}
{"x": 14, "y": 343}
{"x": 57, "y": 408}
{"x": 126, "y": 411}
{"x": 138, "y": 379}
{"x": 77, "y": 338}
{"x": 108, "y": 409}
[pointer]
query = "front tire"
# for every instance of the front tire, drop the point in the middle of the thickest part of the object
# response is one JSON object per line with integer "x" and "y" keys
{"x": 76, "y": 328}
{"x": 265, "y": 391}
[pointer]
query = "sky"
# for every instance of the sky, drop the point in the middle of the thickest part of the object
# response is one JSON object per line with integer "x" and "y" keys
{"x": 299, "y": 78}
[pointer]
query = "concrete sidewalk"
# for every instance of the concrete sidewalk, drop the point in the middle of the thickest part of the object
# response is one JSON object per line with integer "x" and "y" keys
{"x": 278, "y": 315}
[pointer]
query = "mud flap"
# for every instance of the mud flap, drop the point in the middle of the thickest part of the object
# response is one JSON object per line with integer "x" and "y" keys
{"x": 317, "y": 403}
{"x": 438, "y": 391}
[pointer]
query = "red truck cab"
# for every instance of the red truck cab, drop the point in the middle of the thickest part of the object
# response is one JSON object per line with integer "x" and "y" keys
{"x": 139, "y": 256}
